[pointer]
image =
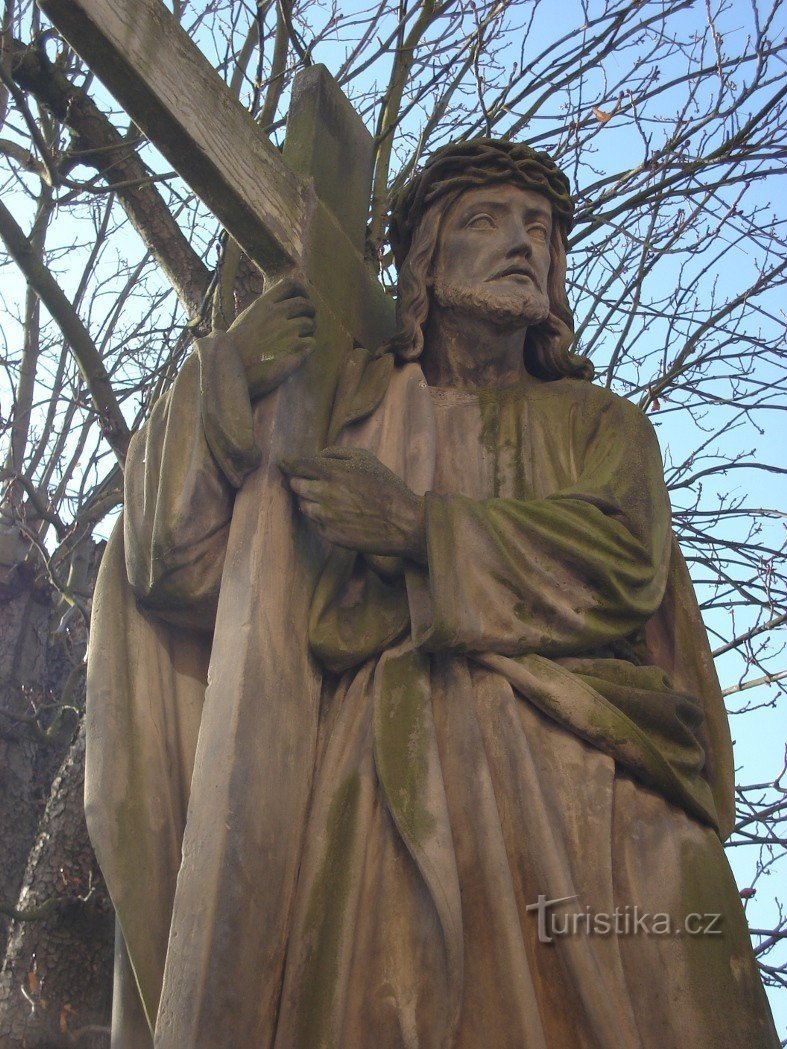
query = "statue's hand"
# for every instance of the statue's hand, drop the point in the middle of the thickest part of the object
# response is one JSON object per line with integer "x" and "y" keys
{"x": 274, "y": 335}
{"x": 354, "y": 501}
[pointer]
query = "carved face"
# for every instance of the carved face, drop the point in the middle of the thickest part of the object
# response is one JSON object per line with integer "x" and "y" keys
{"x": 492, "y": 255}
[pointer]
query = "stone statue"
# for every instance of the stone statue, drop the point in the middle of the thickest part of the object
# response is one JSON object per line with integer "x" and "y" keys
{"x": 518, "y": 745}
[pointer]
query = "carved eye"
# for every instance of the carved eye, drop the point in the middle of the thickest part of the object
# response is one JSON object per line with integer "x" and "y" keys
{"x": 538, "y": 232}
{"x": 480, "y": 221}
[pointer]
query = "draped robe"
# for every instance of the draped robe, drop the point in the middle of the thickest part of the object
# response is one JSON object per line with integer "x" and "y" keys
{"x": 532, "y": 714}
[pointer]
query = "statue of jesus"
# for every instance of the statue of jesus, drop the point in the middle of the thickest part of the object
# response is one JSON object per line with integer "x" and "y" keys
{"x": 519, "y": 773}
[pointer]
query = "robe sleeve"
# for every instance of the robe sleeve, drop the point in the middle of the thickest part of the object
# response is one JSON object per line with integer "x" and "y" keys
{"x": 182, "y": 471}
{"x": 560, "y": 575}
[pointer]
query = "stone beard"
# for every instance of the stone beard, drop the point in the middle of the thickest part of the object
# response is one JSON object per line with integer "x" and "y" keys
{"x": 530, "y": 306}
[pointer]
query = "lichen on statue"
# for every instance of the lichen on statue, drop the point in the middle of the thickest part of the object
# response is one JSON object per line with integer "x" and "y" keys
{"x": 508, "y": 694}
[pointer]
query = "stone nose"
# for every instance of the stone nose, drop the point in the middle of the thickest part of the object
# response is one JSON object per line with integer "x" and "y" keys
{"x": 518, "y": 242}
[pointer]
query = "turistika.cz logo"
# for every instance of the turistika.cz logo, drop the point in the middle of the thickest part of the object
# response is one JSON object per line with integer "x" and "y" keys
{"x": 555, "y": 921}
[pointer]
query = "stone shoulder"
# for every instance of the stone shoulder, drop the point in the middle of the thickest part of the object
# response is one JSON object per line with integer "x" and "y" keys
{"x": 597, "y": 401}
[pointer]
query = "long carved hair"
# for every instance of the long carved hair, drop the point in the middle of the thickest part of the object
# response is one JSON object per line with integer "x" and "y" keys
{"x": 547, "y": 345}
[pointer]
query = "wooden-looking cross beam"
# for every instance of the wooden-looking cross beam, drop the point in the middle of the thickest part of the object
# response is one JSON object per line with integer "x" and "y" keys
{"x": 305, "y": 210}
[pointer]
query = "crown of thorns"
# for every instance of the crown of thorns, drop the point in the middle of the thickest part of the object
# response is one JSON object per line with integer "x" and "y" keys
{"x": 465, "y": 165}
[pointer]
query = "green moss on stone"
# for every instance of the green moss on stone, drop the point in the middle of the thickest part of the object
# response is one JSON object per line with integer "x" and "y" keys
{"x": 402, "y": 748}
{"x": 325, "y": 918}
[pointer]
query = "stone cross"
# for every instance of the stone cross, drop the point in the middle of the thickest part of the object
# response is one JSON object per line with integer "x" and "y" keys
{"x": 304, "y": 210}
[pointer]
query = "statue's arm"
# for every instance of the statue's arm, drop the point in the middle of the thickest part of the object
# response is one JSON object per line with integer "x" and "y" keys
{"x": 182, "y": 471}
{"x": 557, "y": 576}
{"x": 195, "y": 451}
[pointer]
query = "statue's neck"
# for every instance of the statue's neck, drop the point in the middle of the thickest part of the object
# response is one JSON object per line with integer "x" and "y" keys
{"x": 466, "y": 351}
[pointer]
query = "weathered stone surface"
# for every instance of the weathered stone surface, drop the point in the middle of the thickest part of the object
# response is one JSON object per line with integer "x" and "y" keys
{"x": 327, "y": 142}
{"x": 499, "y": 691}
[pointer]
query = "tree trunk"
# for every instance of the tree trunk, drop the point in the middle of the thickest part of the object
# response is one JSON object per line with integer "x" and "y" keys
{"x": 56, "y": 982}
{"x": 56, "y": 921}
{"x": 33, "y": 670}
